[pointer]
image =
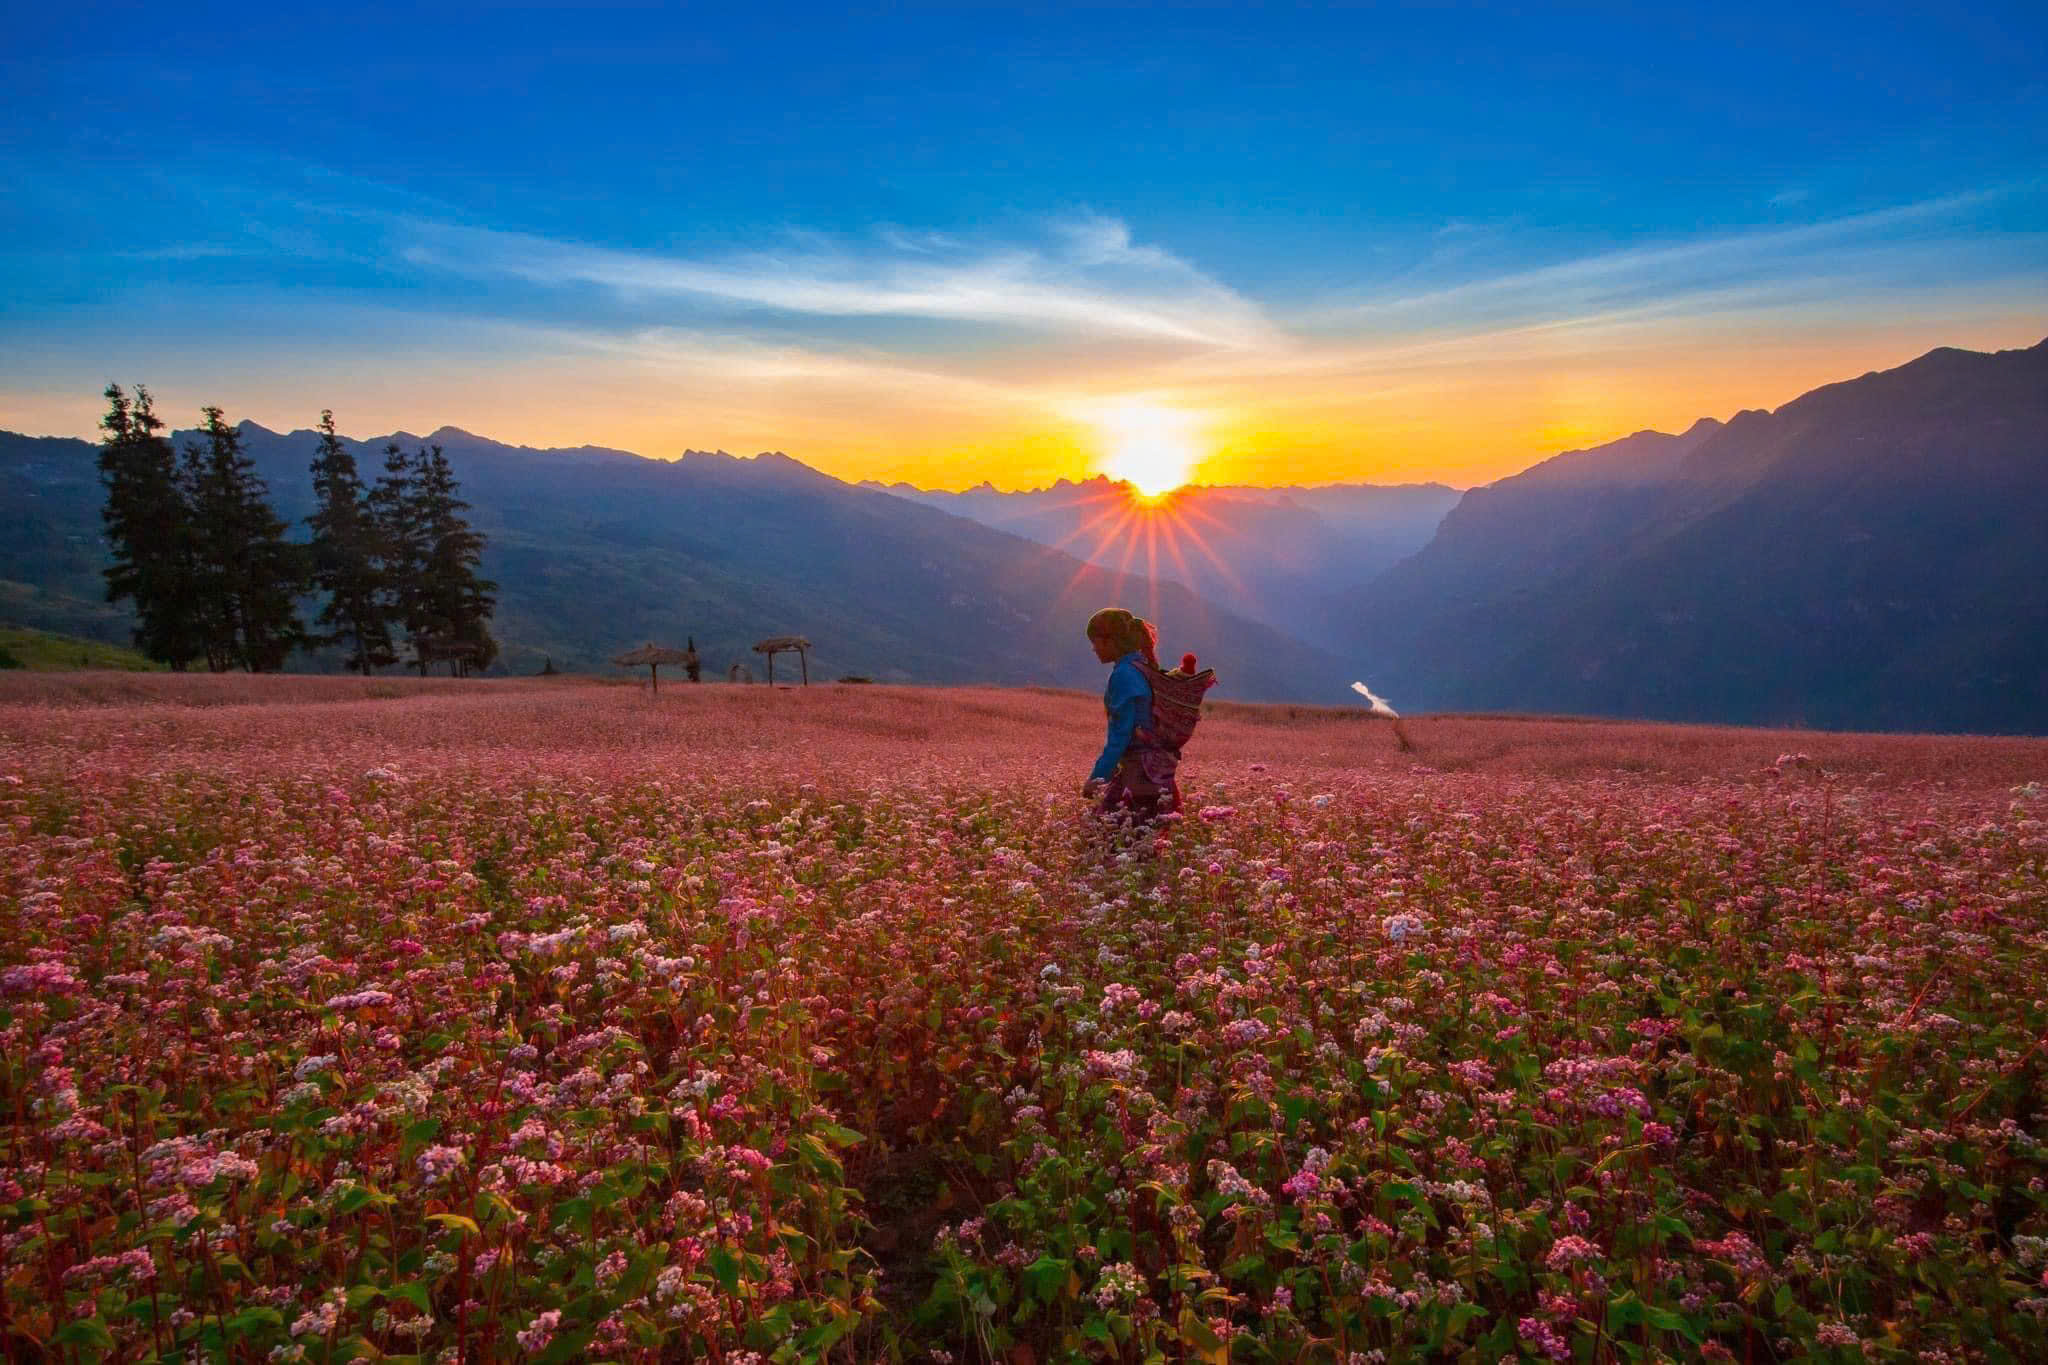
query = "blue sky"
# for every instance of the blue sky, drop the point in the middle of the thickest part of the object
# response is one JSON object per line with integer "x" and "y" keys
{"x": 930, "y": 241}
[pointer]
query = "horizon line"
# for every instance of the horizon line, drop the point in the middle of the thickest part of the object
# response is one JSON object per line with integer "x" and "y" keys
{"x": 1098, "y": 477}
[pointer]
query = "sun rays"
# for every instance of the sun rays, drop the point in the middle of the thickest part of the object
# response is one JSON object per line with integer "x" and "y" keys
{"x": 1152, "y": 448}
{"x": 1128, "y": 533}
{"x": 1146, "y": 521}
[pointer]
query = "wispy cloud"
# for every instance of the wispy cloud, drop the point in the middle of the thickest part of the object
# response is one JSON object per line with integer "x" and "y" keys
{"x": 185, "y": 251}
{"x": 739, "y": 361}
{"x": 1601, "y": 282}
{"x": 1088, "y": 279}
{"x": 950, "y": 356}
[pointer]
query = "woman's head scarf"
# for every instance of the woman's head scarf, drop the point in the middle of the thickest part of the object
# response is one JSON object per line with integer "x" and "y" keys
{"x": 1125, "y": 632}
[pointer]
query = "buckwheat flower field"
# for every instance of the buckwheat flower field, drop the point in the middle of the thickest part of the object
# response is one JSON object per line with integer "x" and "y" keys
{"x": 507, "y": 1021}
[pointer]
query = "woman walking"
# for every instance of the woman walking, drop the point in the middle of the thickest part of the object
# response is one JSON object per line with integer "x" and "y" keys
{"x": 1151, "y": 714}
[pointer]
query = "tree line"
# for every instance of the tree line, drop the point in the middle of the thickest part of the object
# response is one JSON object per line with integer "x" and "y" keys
{"x": 198, "y": 549}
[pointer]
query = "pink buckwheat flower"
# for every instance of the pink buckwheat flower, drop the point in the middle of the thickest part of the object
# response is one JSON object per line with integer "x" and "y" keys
{"x": 1569, "y": 1251}
{"x": 438, "y": 1163}
{"x": 540, "y": 1332}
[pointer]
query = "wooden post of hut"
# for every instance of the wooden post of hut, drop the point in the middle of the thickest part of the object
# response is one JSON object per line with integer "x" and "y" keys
{"x": 460, "y": 654}
{"x": 775, "y": 644}
{"x": 654, "y": 656}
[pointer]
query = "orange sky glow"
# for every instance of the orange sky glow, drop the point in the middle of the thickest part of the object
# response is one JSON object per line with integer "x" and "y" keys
{"x": 1462, "y": 410}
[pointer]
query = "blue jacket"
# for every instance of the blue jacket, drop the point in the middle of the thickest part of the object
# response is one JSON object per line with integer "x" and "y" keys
{"x": 1128, "y": 699}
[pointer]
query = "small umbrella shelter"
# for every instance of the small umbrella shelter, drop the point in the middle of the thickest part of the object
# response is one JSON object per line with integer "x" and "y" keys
{"x": 776, "y": 644}
{"x": 653, "y": 657}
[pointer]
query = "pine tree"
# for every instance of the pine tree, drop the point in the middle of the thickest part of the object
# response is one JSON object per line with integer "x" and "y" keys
{"x": 431, "y": 557}
{"x": 149, "y": 529}
{"x": 347, "y": 563}
{"x": 458, "y": 601}
{"x": 215, "y": 619}
{"x": 402, "y": 546}
{"x": 248, "y": 573}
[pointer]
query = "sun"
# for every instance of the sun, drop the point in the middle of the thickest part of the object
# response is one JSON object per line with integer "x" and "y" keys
{"x": 1152, "y": 448}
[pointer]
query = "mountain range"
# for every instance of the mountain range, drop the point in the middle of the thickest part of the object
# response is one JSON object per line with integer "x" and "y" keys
{"x": 597, "y": 550}
{"x": 1286, "y": 556}
{"x": 1871, "y": 555}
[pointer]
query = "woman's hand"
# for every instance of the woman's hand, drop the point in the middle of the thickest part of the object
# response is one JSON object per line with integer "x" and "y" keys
{"x": 1091, "y": 788}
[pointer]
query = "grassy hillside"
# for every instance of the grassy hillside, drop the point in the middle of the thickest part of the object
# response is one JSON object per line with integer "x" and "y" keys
{"x": 43, "y": 651}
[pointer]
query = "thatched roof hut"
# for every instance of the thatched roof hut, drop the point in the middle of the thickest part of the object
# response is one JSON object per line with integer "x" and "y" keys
{"x": 653, "y": 656}
{"x": 776, "y": 644}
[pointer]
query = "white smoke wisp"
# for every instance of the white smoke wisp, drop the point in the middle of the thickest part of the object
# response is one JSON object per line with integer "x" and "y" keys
{"x": 1377, "y": 706}
{"x": 1379, "y": 703}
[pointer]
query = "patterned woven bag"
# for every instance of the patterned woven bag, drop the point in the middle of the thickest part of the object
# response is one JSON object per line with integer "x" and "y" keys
{"x": 1176, "y": 702}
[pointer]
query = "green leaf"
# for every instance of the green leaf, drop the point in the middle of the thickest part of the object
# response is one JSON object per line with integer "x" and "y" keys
{"x": 355, "y": 1198}
{"x": 725, "y": 1269}
{"x": 249, "y": 1320}
{"x": 415, "y": 1293}
{"x": 456, "y": 1221}
{"x": 1244, "y": 1267}
{"x": 87, "y": 1332}
{"x": 567, "y": 1347}
{"x": 1460, "y": 1315}
{"x": 574, "y": 1213}
{"x": 1045, "y": 1277}
{"x": 1664, "y": 1320}
{"x": 774, "y": 1325}
{"x": 494, "y": 1208}
{"x": 819, "y": 1160}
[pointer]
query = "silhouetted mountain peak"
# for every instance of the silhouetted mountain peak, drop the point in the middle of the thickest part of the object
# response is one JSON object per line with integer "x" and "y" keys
{"x": 1956, "y": 355}
{"x": 1869, "y": 554}
{"x": 769, "y": 469}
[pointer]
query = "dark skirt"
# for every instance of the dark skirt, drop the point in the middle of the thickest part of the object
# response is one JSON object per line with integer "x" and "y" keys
{"x": 1143, "y": 788}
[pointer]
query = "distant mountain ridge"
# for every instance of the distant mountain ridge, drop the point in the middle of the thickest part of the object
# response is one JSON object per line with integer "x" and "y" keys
{"x": 1274, "y": 554}
{"x": 1870, "y": 555}
{"x": 597, "y": 550}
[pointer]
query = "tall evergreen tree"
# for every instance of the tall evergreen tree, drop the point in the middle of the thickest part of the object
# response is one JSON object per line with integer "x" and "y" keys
{"x": 149, "y": 529}
{"x": 402, "y": 545}
{"x": 249, "y": 574}
{"x": 347, "y": 563}
{"x": 459, "y": 599}
{"x": 432, "y": 556}
{"x": 215, "y": 617}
